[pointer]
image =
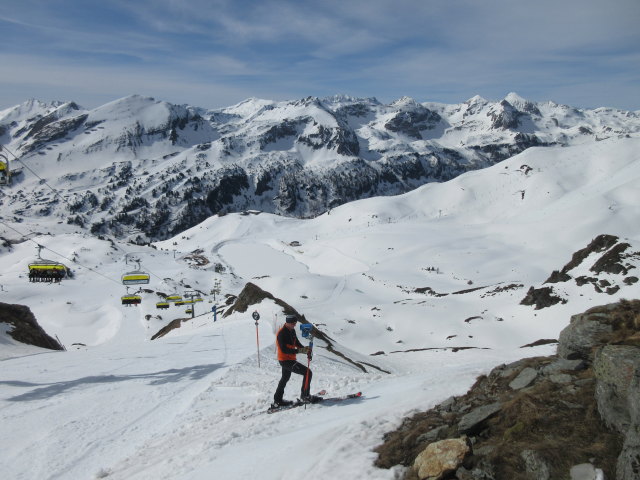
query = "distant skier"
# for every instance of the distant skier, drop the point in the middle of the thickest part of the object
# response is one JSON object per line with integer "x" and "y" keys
{"x": 288, "y": 347}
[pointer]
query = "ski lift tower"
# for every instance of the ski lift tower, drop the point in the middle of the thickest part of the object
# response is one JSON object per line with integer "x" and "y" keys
{"x": 193, "y": 298}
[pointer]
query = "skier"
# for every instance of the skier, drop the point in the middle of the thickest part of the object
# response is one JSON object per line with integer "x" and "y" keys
{"x": 288, "y": 347}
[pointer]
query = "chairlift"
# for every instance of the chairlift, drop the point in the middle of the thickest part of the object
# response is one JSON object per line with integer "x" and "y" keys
{"x": 174, "y": 297}
{"x": 162, "y": 305}
{"x": 188, "y": 311}
{"x": 43, "y": 270}
{"x": 131, "y": 300}
{"x": 136, "y": 277}
{"x": 4, "y": 171}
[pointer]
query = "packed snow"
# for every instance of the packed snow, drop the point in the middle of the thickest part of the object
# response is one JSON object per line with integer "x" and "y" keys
{"x": 190, "y": 405}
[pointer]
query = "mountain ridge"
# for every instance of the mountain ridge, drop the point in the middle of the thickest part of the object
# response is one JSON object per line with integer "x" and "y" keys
{"x": 145, "y": 170}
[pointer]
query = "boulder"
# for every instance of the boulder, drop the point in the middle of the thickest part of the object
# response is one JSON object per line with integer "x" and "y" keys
{"x": 472, "y": 420}
{"x": 586, "y": 471}
{"x": 441, "y": 458}
{"x": 628, "y": 464}
{"x": 562, "y": 364}
{"x": 582, "y": 334}
{"x": 617, "y": 371}
{"x": 524, "y": 378}
{"x": 615, "y": 368}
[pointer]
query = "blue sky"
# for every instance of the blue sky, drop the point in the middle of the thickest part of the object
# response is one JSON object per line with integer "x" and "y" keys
{"x": 216, "y": 53}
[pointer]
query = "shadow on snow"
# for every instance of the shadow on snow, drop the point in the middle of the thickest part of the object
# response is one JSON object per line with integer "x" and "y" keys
{"x": 156, "y": 378}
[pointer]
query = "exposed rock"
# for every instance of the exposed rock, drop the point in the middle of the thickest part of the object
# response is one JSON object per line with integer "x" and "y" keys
{"x": 177, "y": 323}
{"x": 535, "y": 465}
{"x": 473, "y": 420}
{"x": 441, "y": 458}
{"x": 615, "y": 367}
{"x": 562, "y": 364}
{"x": 586, "y": 471}
{"x": 541, "y": 298}
{"x": 576, "y": 417}
{"x": 524, "y": 379}
{"x": 432, "y": 435}
{"x": 557, "y": 277}
{"x": 583, "y": 332}
{"x": 560, "y": 378}
{"x": 25, "y": 327}
{"x": 599, "y": 244}
{"x": 613, "y": 261}
{"x": 542, "y": 341}
{"x": 617, "y": 371}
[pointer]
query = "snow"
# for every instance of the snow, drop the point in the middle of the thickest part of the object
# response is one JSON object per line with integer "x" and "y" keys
{"x": 119, "y": 405}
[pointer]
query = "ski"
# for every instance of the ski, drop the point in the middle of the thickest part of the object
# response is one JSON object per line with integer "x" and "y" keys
{"x": 321, "y": 399}
{"x": 300, "y": 403}
{"x": 340, "y": 398}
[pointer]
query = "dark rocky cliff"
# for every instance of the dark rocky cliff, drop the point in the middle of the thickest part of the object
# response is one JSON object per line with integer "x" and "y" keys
{"x": 25, "y": 327}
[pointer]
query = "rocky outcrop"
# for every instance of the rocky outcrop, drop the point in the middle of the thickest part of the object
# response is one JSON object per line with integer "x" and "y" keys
{"x": 572, "y": 415}
{"x": 605, "y": 265}
{"x": 25, "y": 327}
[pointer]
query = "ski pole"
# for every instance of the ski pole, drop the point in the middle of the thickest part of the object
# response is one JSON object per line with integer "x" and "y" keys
{"x": 309, "y": 355}
{"x": 256, "y": 317}
{"x": 307, "y": 331}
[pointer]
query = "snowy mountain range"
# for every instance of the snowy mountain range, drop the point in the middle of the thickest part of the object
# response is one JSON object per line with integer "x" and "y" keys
{"x": 146, "y": 170}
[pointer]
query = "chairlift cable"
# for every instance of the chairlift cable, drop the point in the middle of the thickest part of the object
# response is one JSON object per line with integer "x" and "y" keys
{"x": 59, "y": 254}
{"x": 57, "y": 194}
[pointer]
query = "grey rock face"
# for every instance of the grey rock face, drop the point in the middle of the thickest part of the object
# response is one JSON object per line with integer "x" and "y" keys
{"x": 475, "y": 417}
{"x": 577, "y": 339}
{"x": 535, "y": 465}
{"x": 616, "y": 367}
{"x": 617, "y": 370}
{"x": 524, "y": 379}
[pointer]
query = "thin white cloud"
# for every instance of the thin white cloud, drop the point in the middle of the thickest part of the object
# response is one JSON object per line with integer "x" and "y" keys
{"x": 380, "y": 48}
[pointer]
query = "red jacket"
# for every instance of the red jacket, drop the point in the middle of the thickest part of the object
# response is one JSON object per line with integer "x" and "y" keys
{"x": 287, "y": 344}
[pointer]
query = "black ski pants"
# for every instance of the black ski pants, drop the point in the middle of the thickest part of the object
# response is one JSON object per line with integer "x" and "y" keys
{"x": 289, "y": 367}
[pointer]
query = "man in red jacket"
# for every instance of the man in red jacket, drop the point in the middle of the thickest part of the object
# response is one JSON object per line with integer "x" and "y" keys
{"x": 288, "y": 347}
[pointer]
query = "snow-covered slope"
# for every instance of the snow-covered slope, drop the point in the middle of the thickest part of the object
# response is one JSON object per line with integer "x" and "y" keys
{"x": 427, "y": 285}
{"x": 144, "y": 169}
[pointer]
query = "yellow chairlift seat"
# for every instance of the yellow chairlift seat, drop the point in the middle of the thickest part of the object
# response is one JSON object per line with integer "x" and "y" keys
{"x": 188, "y": 310}
{"x": 38, "y": 266}
{"x": 188, "y": 301}
{"x": 162, "y": 305}
{"x": 135, "y": 278}
{"x": 47, "y": 271}
{"x": 179, "y": 303}
{"x": 131, "y": 300}
{"x": 174, "y": 298}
